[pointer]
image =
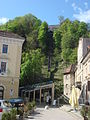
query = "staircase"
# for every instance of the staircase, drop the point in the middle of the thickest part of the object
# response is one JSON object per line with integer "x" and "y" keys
{"x": 62, "y": 100}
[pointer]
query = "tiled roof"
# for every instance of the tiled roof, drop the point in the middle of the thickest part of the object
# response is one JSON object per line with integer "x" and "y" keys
{"x": 9, "y": 35}
{"x": 70, "y": 69}
{"x": 52, "y": 27}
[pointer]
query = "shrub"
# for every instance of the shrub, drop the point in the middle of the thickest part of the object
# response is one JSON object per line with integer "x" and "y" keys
{"x": 83, "y": 111}
{"x": 13, "y": 113}
{"x": 25, "y": 108}
{"x": 30, "y": 106}
{"x": 6, "y": 116}
{"x": 33, "y": 103}
{"x": 89, "y": 114}
{"x": 20, "y": 112}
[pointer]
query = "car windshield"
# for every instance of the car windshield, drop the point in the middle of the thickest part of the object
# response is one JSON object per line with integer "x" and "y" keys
{"x": 7, "y": 104}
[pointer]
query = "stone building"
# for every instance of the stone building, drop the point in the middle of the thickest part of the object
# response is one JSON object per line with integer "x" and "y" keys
{"x": 10, "y": 60}
{"x": 81, "y": 73}
{"x": 85, "y": 89}
{"x": 69, "y": 80}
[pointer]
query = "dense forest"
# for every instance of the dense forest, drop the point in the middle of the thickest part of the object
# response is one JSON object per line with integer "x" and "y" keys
{"x": 46, "y": 51}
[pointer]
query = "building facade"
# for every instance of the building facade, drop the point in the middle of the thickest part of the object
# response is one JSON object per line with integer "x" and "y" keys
{"x": 10, "y": 60}
{"x": 82, "y": 70}
{"x": 81, "y": 73}
{"x": 69, "y": 80}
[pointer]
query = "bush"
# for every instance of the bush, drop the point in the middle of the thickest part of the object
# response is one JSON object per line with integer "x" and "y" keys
{"x": 30, "y": 106}
{"x": 83, "y": 111}
{"x": 9, "y": 116}
{"x": 20, "y": 112}
{"x": 33, "y": 103}
{"x": 89, "y": 114}
{"x": 6, "y": 116}
{"x": 13, "y": 113}
{"x": 25, "y": 108}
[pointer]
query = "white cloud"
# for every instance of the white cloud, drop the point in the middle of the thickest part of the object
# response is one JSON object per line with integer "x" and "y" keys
{"x": 80, "y": 10}
{"x": 83, "y": 16}
{"x": 74, "y": 6}
{"x": 3, "y": 20}
{"x": 86, "y": 5}
{"x": 66, "y": 1}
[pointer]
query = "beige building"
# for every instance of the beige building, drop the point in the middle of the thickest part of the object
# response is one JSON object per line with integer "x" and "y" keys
{"x": 10, "y": 60}
{"x": 82, "y": 71}
{"x": 81, "y": 74}
{"x": 69, "y": 80}
{"x": 86, "y": 78}
{"x": 82, "y": 51}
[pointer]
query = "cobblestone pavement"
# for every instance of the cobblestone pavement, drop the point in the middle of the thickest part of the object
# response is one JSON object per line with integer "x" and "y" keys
{"x": 51, "y": 114}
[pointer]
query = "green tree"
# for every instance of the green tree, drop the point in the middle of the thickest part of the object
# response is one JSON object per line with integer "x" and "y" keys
{"x": 45, "y": 37}
{"x": 26, "y": 26}
{"x": 57, "y": 37}
{"x": 31, "y": 67}
{"x": 82, "y": 30}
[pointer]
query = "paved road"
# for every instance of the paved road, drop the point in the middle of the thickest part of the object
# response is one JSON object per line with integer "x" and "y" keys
{"x": 52, "y": 114}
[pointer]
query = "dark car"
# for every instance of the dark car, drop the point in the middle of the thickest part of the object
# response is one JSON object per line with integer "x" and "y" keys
{"x": 17, "y": 102}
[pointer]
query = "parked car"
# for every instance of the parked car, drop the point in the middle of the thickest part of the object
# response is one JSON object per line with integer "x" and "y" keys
{"x": 17, "y": 102}
{"x": 5, "y": 106}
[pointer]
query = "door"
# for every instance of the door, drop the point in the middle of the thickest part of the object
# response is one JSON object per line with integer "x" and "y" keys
{"x": 1, "y": 92}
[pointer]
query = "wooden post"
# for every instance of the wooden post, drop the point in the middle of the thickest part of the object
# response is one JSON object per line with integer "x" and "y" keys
{"x": 34, "y": 95}
{"x": 40, "y": 94}
{"x": 29, "y": 96}
{"x": 22, "y": 94}
{"x": 52, "y": 92}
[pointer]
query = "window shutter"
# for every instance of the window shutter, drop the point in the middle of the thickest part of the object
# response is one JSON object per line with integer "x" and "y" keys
{"x": 88, "y": 85}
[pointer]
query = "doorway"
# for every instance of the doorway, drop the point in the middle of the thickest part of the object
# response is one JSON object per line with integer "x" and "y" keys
{"x": 1, "y": 92}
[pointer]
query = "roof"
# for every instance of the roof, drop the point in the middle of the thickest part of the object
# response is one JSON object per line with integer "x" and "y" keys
{"x": 10, "y": 35}
{"x": 70, "y": 69}
{"x": 52, "y": 27}
{"x": 34, "y": 86}
{"x": 85, "y": 55}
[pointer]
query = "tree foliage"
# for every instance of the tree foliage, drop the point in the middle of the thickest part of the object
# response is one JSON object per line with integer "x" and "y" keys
{"x": 70, "y": 32}
{"x": 31, "y": 67}
{"x": 46, "y": 50}
{"x": 45, "y": 37}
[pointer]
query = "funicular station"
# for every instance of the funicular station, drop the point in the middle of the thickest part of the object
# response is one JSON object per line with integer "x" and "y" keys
{"x": 38, "y": 92}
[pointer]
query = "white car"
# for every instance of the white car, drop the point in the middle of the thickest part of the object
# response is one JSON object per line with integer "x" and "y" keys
{"x": 5, "y": 106}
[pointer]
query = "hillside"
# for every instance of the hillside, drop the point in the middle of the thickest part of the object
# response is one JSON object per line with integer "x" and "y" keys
{"x": 48, "y": 49}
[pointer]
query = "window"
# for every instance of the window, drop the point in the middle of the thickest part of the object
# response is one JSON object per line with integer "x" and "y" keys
{"x": 11, "y": 92}
{"x": 5, "y": 48}
{"x": 66, "y": 85}
{"x": 3, "y": 67}
{"x": 66, "y": 77}
{"x": 88, "y": 85}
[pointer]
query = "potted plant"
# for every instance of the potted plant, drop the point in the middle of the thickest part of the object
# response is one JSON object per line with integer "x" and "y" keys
{"x": 84, "y": 112}
{"x": 6, "y": 116}
{"x": 89, "y": 113}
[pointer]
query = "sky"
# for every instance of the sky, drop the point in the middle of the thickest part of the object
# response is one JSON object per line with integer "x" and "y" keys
{"x": 45, "y": 10}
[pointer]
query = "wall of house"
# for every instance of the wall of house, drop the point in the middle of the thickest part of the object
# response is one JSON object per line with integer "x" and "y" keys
{"x": 69, "y": 80}
{"x": 10, "y": 80}
{"x": 79, "y": 73}
{"x": 82, "y": 70}
{"x": 86, "y": 74}
{"x": 82, "y": 48}
{"x": 10, "y": 87}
